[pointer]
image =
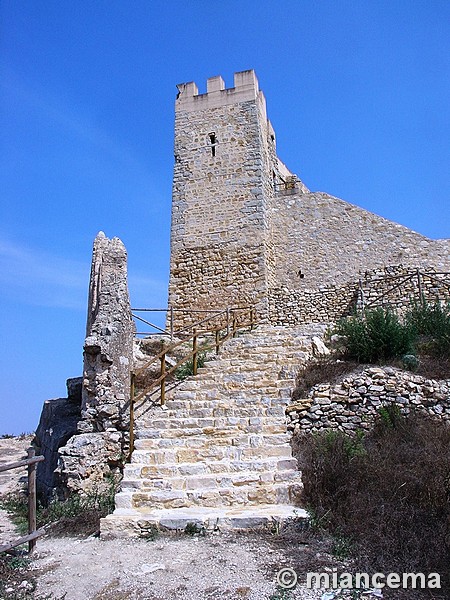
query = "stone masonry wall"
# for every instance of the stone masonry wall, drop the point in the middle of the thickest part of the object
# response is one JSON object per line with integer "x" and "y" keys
{"x": 354, "y": 402}
{"x": 219, "y": 227}
{"x": 247, "y": 230}
{"x": 396, "y": 287}
{"x": 331, "y": 241}
{"x": 101, "y": 444}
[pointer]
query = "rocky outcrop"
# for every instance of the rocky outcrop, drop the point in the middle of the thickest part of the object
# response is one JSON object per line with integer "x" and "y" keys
{"x": 58, "y": 423}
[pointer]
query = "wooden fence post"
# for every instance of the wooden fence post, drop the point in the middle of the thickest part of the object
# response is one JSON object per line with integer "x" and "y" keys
{"x": 31, "y": 499}
{"x": 217, "y": 340}
{"x": 419, "y": 282}
{"x": 194, "y": 354}
{"x": 163, "y": 380}
{"x": 132, "y": 388}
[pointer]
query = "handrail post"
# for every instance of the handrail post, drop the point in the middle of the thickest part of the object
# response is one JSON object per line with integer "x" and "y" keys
{"x": 163, "y": 379}
{"x": 217, "y": 340}
{"x": 31, "y": 498}
{"x": 252, "y": 323}
{"x": 233, "y": 325}
{"x": 419, "y": 281}
{"x": 132, "y": 390}
{"x": 194, "y": 354}
{"x": 361, "y": 295}
{"x": 171, "y": 323}
{"x": 228, "y": 321}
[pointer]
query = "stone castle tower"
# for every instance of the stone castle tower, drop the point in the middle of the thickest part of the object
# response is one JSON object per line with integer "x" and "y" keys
{"x": 225, "y": 175}
{"x": 246, "y": 231}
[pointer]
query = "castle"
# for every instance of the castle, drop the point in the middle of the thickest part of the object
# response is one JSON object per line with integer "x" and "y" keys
{"x": 245, "y": 232}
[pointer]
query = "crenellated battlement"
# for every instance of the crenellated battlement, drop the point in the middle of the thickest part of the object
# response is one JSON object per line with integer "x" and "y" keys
{"x": 245, "y": 88}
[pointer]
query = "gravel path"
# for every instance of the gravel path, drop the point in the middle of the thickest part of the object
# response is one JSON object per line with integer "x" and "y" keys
{"x": 228, "y": 566}
{"x": 182, "y": 568}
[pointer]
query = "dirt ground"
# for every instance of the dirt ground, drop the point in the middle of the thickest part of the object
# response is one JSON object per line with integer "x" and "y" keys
{"x": 173, "y": 566}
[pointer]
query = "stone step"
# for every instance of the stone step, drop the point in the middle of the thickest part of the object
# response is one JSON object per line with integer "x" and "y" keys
{"x": 239, "y": 439}
{"x": 211, "y": 451}
{"x": 218, "y": 410}
{"x": 218, "y": 453}
{"x": 184, "y": 401}
{"x": 216, "y": 422}
{"x": 135, "y": 471}
{"x": 140, "y": 523}
{"x": 213, "y": 432}
{"x": 208, "y": 481}
{"x": 272, "y": 493}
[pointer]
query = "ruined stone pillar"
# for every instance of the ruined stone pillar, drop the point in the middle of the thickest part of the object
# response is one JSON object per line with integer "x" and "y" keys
{"x": 108, "y": 348}
{"x": 101, "y": 444}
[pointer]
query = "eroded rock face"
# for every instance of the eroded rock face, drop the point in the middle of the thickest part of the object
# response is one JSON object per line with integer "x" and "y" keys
{"x": 102, "y": 441}
{"x": 58, "y": 423}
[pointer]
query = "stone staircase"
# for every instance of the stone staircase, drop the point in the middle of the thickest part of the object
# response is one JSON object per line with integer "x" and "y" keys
{"x": 218, "y": 453}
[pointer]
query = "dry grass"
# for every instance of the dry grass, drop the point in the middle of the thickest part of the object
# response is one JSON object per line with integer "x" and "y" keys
{"x": 385, "y": 497}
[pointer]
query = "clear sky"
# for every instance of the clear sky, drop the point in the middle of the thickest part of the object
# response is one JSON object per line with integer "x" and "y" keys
{"x": 358, "y": 92}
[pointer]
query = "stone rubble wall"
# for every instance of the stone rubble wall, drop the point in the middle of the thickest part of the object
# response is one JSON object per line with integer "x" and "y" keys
{"x": 293, "y": 307}
{"x": 217, "y": 277}
{"x": 101, "y": 444}
{"x": 354, "y": 402}
{"x": 396, "y": 287}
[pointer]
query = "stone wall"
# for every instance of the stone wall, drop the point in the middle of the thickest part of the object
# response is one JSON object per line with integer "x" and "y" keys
{"x": 396, "y": 287}
{"x": 293, "y": 307}
{"x": 354, "y": 402}
{"x": 330, "y": 242}
{"x": 225, "y": 175}
{"x": 218, "y": 229}
{"x": 101, "y": 443}
{"x": 247, "y": 230}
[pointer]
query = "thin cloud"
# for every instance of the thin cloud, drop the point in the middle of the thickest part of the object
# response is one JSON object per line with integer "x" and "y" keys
{"x": 36, "y": 277}
{"x": 63, "y": 113}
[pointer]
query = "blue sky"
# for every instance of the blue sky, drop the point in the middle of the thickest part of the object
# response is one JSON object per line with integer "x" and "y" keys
{"x": 358, "y": 93}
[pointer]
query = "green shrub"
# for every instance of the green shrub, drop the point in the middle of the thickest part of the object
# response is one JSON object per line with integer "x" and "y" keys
{"x": 432, "y": 323}
{"x": 390, "y": 415}
{"x": 187, "y": 368}
{"x": 375, "y": 335}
